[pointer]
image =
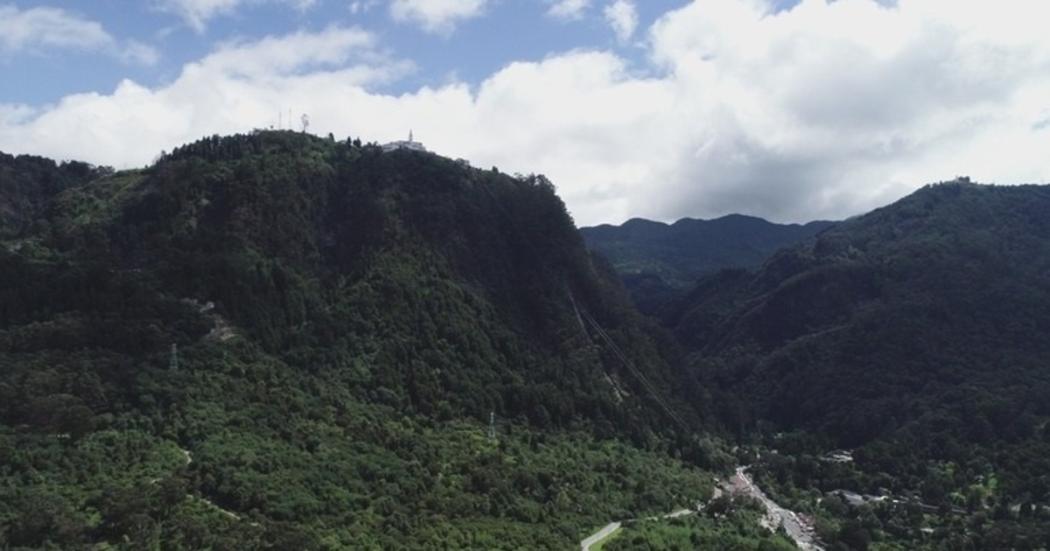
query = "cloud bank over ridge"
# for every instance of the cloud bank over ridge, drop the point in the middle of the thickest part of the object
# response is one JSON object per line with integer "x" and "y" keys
{"x": 819, "y": 111}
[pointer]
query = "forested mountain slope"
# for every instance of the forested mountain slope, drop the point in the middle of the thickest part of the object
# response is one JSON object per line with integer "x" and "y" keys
{"x": 282, "y": 341}
{"x": 915, "y": 333}
{"x": 659, "y": 262}
{"x": 27, "y": 185}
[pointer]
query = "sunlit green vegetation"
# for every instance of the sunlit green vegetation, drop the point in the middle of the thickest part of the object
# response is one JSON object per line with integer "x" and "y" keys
{"x": 731, "y": 525}
{"x": 344, "y": 323}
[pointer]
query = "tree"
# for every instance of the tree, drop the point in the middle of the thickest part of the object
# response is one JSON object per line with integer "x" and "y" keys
{"x": 45, "y": 519}
{"x": 854, "y": 535}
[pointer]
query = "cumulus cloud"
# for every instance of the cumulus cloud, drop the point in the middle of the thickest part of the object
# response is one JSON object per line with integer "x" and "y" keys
{"x": 567, "y": 10}
{"x": 41, "y": 29}
{"x": 833, "y": 107}
{"x": 622, "y": 16}
{"x": 238, "y": 87}
{"x": 362, "y": 6}
{"x": 436, "y": 16}
{"x": 197, "y": 13}
{"x": 293, "y": 53}
{"x": 821, "y": 111}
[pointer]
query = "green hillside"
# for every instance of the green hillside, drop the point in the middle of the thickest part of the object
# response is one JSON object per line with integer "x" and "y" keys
{"x": 279, "y": 341}
{"x": 27, "y": 186}
{"x": 913, "y": 335}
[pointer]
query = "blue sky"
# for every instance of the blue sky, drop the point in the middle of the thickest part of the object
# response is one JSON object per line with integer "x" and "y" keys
{"x": 511, "y": 30}
{"x": 788, "y": 109}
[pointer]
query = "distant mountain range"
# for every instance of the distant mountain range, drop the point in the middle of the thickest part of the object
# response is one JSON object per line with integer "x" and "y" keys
{"x": 913, "y": 336}
{"x": 658, "y": 261}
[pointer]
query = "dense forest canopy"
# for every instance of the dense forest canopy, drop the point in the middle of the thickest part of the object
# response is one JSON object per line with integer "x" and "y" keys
{"x": 281, "y": 341}
{"x": 278, "y": 340}
{"x": 27, "y": 185}
{"x": 912, "y": 335}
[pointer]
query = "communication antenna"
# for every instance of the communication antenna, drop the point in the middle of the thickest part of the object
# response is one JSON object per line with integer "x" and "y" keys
{"x": 280, "y": 119}
{"x": 492, "y": 425}
{"x": 173, "y": 362}
{"x": 305, "y": 119}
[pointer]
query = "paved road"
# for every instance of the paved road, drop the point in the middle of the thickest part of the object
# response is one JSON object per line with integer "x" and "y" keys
{"x": 612, "y": 527}
{"x": 598, "y": 536}
{"x": 776, "y": 515}
{"x": 739, "y": 484}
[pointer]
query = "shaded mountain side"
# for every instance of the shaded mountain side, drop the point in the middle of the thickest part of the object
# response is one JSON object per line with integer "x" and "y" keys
{"x": 659, "y": 262}
{"x": 913, "y": 332}
{"x": 325, "y": 330}
{"x": 311, "y": 247}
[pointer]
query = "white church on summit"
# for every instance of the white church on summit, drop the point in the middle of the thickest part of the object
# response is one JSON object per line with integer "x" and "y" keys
{"x": 411, "y": 145}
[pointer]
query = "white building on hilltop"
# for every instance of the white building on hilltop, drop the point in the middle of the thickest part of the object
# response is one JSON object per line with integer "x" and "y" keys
{"x": 411, "y": 145}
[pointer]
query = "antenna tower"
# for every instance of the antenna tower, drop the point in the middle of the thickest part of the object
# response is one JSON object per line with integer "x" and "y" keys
{"x": 173, "y": 361}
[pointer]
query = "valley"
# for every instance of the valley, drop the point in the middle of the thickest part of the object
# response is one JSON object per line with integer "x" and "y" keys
{"x": 541, "y": 275}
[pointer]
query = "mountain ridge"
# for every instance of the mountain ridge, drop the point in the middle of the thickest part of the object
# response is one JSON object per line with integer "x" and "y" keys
{"x": 658, "y": 261}
{"x": 907, "y": 333}
{"x": 357, "y": 349}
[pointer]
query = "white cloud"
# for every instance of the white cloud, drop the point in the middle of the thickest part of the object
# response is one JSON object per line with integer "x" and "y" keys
{"x": 48, "y": 28}
{"x": 567, "y": 10}
{"x": 291, "y": 54}
{"x": 836, "y": 106}
{"x": 197, "y": 13}
{"x": 436, "y": 16}
{"x": 15, "y": 114}
{"x": 825, "y": 110}
{"x": 43, "y": 28}
{"x": 236, "y": 88}
{"x": 622, "y": 16}
{"x": 362, "y": 6}
{"x": 140, "y": 53}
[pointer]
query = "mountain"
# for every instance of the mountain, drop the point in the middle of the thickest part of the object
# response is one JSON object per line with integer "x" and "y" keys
{"x": 658, "y": 261}
{"x": 280, "y": 341}
{"x": 28, "y": 183}
{"x": 913, "y": 334}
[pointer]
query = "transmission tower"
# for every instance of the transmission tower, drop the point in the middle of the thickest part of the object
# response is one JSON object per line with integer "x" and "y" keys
{"x": 173, "y": 361}
{"x": 492, "y": 425}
